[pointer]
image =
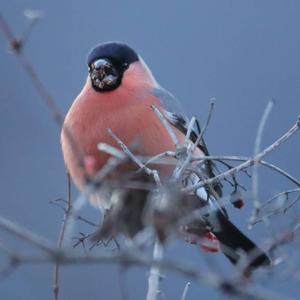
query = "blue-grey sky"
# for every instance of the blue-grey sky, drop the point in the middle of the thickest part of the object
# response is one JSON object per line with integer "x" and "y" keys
{"x": 240, "y": 52}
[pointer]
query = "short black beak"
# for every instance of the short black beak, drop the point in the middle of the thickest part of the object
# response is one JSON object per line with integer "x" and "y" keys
{"x": 103, "y": 74}
{"x": 101, "y": 68}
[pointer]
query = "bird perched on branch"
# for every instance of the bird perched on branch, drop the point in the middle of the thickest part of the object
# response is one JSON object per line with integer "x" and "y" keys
{"x": 119, "y": 94}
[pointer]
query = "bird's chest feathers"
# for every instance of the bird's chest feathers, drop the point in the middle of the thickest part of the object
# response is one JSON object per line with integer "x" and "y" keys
{"x": 131, "y": 119}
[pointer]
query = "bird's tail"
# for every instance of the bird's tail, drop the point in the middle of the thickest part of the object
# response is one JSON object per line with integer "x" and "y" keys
{"x": 234, "y": 244}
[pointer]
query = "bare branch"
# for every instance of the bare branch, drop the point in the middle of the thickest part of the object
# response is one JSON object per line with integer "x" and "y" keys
{"x": 230, "y": 287}
{"x": 153, "y": 173}
{"x": 33, "y": 16}
{"x": 27, "y": 236}
{"x": 189, "y": 131}
{"x": 85, "y": 220}
{"x": 133, "y": 257}
{"x": 249, "y": 162}
{"x": 111, "y": 150}
{"x": 257, "y": 146}
{"x": 180, "y": 169}
{"x": 277, "y": 211}
{"x": 61, "y": 239}
{"x": 154, "y": 275}
{"x": 166, "y": 124}
{"x": 245, "y": 158}
{"x": 185, "y": 291}
{"x": 158, "y": 159}
{"x": 16, "y": 45}
{"x": 285, "y": 193}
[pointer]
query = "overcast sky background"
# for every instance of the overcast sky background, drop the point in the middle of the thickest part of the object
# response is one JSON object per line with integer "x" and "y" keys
{"x": 240, "y": 52}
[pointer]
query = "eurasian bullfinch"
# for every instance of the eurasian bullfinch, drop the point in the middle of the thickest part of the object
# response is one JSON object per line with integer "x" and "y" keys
{"x": 118, "y": 94}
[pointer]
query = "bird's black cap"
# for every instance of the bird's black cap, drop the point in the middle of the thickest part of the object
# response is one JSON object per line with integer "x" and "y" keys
{"x": 118, "y": 52}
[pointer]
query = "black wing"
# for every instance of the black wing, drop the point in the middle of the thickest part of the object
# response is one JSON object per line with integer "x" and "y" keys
{"x": 174, "y": 114}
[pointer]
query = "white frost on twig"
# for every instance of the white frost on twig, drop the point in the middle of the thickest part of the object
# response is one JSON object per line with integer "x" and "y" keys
{"x": 257, "y": 147}
{"x": 185, "y": 291}
{"x": 248, "y": 163}
{"x": 154, "y": 275}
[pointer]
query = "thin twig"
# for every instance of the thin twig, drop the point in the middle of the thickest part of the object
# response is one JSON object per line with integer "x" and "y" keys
{"x": 185, "y": 291}
{"x": 85, "y": 220}
{"x": 157, "y": 159}
{"x": 38, "y": 84}
{"x": 181, "y": 168}
{"x": 27, "y": 236}
{"x": 249, "y": 162}
{"x": 166, "y": 124}
{"x": 33, "y": 16}
{"x": 257, "y": 147}
{"x": 16, "y": 45}
{"x": 285, "y": 193}
{"x": 134, "y": 158}
{"x": 189, "y": 131}
{"x": 230, "y": 287}
{"x": 137, "y": 258}
{"x": 61, "y": 239}
{"x": 103, "y": 147}
{"x": 90, "y": 189}
{"x": 282, "y": 210}
{"x": 154, "y": 275}
{"x": 245, "y": 158}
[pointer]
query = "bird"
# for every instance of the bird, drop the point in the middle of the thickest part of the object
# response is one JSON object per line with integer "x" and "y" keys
{"x": 119, "y": 94}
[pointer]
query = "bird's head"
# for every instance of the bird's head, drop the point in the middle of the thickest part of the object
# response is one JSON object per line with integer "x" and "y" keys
{"x": 113, "y": 64}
